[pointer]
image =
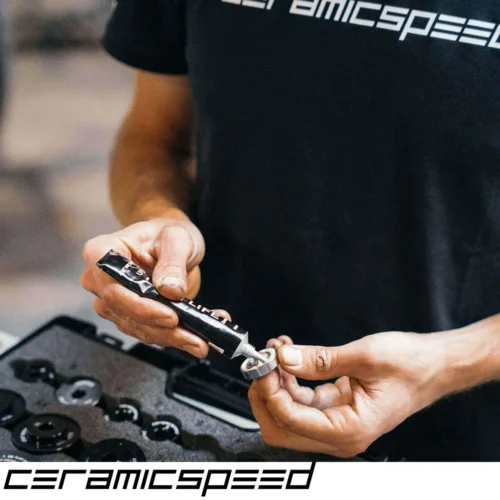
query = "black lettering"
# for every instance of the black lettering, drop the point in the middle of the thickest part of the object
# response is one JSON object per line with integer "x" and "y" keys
{"x": 127, "y": 474}
{"x": 144, "y": 479}
{"x": 8, "y": 486}
{"x": 207, "y": 486}
{"x": 251, "y": 479}
{"x": 100, "y": 483}
{"x": 153, "y": 486}
{"x": 44, "y": 480}
{"x": 66, "y": 473}
{"x": 272, "y": 479}
{"x": 293, "y": 473}
{"x": 197, "y": 480}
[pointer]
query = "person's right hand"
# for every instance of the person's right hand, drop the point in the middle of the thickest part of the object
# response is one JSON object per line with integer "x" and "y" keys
{"x": 170, "y": 251}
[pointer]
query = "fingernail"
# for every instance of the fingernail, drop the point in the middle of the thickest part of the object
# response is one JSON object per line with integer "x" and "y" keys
{"x": 172, "y": 281}
{"x": 291, "y": 356}
{"x": 192, "y": 349}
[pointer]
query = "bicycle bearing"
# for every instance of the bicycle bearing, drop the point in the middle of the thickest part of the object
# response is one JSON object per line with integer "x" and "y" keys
{"x": 162, "y": 430}
{"x": 125, "y": 411}
{"x": 252, "y": 369}
{"x": 80, "y": 392}
{"x": 47, "y": 433}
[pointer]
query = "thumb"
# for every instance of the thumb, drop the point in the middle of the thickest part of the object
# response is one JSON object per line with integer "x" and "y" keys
{"x": 175, "y": 250}
{"x": 321, "y": 363}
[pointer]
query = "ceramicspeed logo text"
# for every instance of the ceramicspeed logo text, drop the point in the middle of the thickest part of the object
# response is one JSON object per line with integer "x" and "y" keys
{"x": 403, "y": 21}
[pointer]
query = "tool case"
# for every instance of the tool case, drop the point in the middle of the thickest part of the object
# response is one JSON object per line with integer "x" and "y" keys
{"x": 73, "y": 394}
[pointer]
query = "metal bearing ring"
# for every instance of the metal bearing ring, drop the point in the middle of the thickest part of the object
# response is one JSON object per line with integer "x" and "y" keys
{"x": 253, "y": 368}
{"x": 80, "y": 392}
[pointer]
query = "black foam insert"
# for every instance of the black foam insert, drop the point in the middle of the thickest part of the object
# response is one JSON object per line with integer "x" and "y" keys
{"x": 75, "y": 351}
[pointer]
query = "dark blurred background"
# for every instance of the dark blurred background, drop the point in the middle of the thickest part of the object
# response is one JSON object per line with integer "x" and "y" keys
{"x": 63, "y": 104}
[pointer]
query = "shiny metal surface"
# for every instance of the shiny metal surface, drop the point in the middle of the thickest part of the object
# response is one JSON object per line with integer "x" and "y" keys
{"x": 252, "y": 369}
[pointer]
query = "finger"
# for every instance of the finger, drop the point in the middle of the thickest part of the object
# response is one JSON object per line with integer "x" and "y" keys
{"x": 303, "y": 420}
{"x": 268, "y": 385}
{"x": 222, "y": 313}
{"x": 281, "y": 437}
{"x": 189, "y": 342}
{"x": 343, "y": 384}
{"x": 143, "y": 311}
{"x": 273, "y": 344}
{"x": 194, "y": 282}
{"x": 302, "y": 395}
{"x": 174, "y": 249}
{"x": 176, "y": 337}
{"x": 87, "y": 281}
{"x": 97, "y": 247}
{"x": 322, "y": 363}
{"x": 143, "y": 333}
{"x": 326, "y": 396}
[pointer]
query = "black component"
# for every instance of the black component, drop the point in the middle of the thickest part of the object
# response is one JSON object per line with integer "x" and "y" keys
{"x": 162, "y": 429}
{"x": 80, "y": 392}
{"x": 225, "y": 336}
{"x": 16, "y": 456}
{"x": 113, "y": 450}
{"x": 164, "y": 359}
{"x": 45, "y": 434}
{"x": 12, "y": 408}
{"x": 200, "y": 382}
{"x": 34, "y": 371}
{"x": 125, "y": 411}
{"x": 110, "y": 340}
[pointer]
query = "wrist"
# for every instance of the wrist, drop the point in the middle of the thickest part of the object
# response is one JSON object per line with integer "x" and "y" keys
{"x": 154, "y": 209}
{"x": 470, "y": 355}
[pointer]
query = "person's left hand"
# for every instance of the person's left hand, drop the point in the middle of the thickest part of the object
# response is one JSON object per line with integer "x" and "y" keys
{"x": 384, "y": 378}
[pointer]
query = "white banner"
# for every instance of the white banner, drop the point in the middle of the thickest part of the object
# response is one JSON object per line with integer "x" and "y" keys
{"x": 346, "y": 481}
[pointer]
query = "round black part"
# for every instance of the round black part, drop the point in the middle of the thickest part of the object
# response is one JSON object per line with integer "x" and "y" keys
{"x": 12, "y": 407}
{"x": 125, "y": 412}
{"x": 162, "y": 430}
{"x": 44, "y": 434}
{"x": 113, "y": 450}
{"x": 35, "y": 370}
{"x": 80, "y": 392}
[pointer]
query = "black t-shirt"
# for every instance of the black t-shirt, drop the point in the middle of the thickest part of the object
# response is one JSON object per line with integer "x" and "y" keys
{"x": 348, "y": 173}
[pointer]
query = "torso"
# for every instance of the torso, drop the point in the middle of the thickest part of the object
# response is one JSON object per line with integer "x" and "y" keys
{"x": 348, "y": 176}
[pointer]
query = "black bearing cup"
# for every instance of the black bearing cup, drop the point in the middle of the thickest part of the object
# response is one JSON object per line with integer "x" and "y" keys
{"x": 12, "y": 407}
{"x": 44, "y": 434}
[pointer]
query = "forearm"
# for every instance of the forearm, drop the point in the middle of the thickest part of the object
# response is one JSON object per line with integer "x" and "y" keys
{"x": 471, "y": 355}
{"x": 148, "y": 178}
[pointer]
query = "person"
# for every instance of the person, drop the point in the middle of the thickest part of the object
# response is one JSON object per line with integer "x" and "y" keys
{"x": 328, "y": 172}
